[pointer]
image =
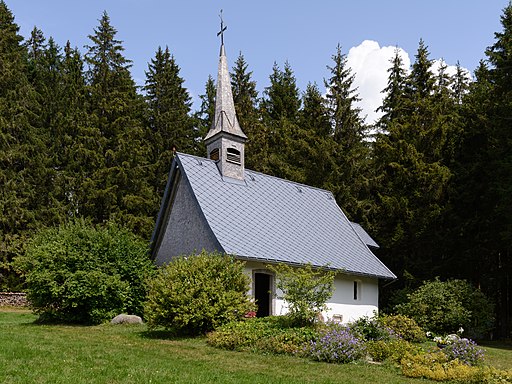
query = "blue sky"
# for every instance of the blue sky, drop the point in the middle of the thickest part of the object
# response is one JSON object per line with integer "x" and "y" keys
{"x": 304, "y": 33}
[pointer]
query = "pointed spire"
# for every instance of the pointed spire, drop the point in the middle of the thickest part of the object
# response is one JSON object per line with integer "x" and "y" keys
{"x": 225, "y": 119}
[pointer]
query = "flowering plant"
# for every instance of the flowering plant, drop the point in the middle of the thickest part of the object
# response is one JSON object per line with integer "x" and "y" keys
{"x": 447, "y": 339}
{"x": 250, "y": 314}
{"x": 465, "y": 350}
{"x": 337, "y": 345}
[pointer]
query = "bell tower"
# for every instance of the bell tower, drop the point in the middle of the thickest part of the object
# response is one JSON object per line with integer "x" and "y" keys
{"x": 225, "y": 141}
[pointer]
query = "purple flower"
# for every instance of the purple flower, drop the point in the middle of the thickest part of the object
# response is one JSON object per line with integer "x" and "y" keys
{"x": 467, "y": 351}
{"x": 337, "y": 345}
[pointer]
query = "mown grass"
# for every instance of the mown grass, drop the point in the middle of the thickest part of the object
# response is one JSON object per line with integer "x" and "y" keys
{"x": 498, "y": 354}
{"x": 31, "y": 353}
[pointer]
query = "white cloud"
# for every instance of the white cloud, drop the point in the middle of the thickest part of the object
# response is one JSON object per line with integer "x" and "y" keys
{"x": 370, "y": 63}
{"x": 451, "y": 70}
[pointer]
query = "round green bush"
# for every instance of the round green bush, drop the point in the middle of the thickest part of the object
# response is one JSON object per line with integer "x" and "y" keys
{"x": 195, "y": 294}
{"x": 404, "y": 327}
{"x": 370, "y": 328}
{"x": 442, "y": 307}
{"x": 79, "y": 273}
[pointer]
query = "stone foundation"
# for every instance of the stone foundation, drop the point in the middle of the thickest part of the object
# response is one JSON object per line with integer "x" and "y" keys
{"x": 8, "y": 299}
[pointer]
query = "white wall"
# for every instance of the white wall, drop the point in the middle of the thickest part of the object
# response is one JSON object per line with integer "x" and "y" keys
{"x": 342, "y": 303}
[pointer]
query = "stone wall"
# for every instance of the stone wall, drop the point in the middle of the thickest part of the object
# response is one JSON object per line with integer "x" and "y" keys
{"x": 8, "y": 299}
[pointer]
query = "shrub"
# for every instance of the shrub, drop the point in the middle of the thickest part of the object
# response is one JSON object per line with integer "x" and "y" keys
{"x": 305, "y": 289}
{"x": 269, "y": 334}
{"x": 370, "y": 329}
{"x": 442, "y": 307}
{"x": 404, "y": 327}
{"x": 465, "y": 350}
{"x": 393, "y": 350}
{"x": 196, "y": 294}
{"x": 491, "y": 375}
{"x": 79, "y": 273}
{"x": 337, "y": 345}
{"x": 436, "y": 366}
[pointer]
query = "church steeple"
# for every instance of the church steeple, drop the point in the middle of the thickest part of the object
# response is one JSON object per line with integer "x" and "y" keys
{"x": 225, "y": 139}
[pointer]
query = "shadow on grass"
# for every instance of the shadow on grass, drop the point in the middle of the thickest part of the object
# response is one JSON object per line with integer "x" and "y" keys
{"x": 499, "y": 344}
{"x": 162, "y": 334}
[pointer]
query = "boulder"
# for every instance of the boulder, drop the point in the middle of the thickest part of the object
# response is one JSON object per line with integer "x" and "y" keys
{"x": 126, "y": 319}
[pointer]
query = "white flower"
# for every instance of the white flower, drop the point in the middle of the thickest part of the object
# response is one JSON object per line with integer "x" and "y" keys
{"x": 460, "y": 330}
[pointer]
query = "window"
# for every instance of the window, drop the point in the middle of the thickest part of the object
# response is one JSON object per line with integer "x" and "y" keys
{"x": 357, "y": 290}
{"x": 215, "y": 154}
{"x": 234, "y": 155}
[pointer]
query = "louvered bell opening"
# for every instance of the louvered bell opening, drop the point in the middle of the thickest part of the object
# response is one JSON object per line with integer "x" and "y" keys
{"x": 215, "y": 154}
{"x": 234, "y": 156}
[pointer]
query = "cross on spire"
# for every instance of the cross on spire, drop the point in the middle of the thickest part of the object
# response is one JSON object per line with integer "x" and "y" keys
{"x": 222, "y": 29}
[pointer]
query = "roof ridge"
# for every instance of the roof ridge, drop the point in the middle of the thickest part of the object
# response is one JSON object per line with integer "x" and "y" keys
{"x": 263, "y": 174}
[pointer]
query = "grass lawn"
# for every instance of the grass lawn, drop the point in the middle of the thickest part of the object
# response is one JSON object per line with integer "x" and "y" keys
{"x": 31, "y": 353}
{"x": 498, "y": 354}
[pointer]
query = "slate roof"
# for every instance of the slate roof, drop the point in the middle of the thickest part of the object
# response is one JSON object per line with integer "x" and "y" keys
{"x": 364, "y": 236}
{"x": 269, "y": 219}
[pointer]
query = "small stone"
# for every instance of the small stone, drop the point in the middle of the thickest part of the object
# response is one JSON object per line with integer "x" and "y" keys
{"x": 126, "y": 319}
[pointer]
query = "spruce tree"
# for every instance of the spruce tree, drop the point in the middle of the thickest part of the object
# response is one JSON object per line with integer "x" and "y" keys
{"x": 45, "y": 74}
{"x": 204, "y": 116}
{"x": 119, "y": 188}
{"x": 412, "y": 161}
{"x": 22, "y": 151}
{"x": 483, "y": 203}
{"x": 170, "y": 126}
{"x": 280, "y": 114}
{"x": 394, "y": 93}
{"x": 245, "y": 97}
{"x": 245, "y": 94}
{"x": 349, "y": 179}
{"x": 318, "y": 148}
{"x": 460, "y": 86}
{"x": 282, "y": 99}
{"x": 78, "y": 151}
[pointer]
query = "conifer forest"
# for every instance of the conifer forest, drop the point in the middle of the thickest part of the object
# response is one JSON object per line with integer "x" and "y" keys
{"x": 431, "y": 180}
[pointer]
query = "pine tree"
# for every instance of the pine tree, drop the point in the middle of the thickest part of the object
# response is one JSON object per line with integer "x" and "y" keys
{"x": 171, "y": 127}
{"x": 22, "y": 149}
{"x": 120, "y": 187}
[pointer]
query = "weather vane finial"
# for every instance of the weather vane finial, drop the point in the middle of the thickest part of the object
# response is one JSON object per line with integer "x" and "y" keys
{"x": 222, "y": 29}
